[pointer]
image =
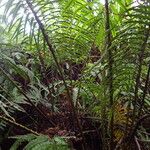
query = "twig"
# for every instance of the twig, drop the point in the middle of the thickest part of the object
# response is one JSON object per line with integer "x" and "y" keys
{"x": 118, "y": 146}
{"x": 137, "y": 143}
{"x": 144, "y": 132}
{"x": 18, "y": 125}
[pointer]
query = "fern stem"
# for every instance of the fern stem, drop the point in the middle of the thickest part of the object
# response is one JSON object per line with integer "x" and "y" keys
{"x": 43, "y": 71}
{"x": 140, "y": 61}
{"x": 41, "y": 26}
{"x": 18, "y": 125}
{"x": 145, "y": 91}
{"x": 110, "y": 76}
{"x": 51, "y": 49}
{"x": 130, "y": 136}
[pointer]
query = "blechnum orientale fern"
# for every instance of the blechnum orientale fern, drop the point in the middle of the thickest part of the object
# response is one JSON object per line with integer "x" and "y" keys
{"x": 60, "y": 31}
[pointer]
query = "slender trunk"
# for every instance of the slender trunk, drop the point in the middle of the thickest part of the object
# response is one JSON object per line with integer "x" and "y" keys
{"x": 110, "y": 76}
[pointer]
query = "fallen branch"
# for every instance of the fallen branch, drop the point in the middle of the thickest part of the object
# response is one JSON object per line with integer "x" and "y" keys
{"x": 18, "y": 125}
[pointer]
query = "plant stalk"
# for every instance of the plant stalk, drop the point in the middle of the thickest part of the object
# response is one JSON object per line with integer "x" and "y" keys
{"x": 51, "y": 49}
{"x": 110, "y": 76}
{"x": 145, "y": 91}
{"x": 140, "y": 61}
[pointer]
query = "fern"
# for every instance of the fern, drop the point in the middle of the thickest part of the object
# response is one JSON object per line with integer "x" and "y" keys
{"x": 72, "y": 28}
{"x": 39, "y": 142}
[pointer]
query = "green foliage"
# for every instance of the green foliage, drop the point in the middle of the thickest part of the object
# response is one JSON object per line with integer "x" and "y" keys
{"x": 39, "y": 142}
{"x": 76, "y": 28}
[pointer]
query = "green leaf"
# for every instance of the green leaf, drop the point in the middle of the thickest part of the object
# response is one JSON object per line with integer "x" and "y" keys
{"x": 34, "y": 142}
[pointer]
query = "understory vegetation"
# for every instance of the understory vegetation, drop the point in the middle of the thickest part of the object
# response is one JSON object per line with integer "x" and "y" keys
{"x": 75, "y": 74}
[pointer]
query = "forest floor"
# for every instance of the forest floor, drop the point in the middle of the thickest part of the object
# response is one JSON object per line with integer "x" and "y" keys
{"x": 57, "y": 124}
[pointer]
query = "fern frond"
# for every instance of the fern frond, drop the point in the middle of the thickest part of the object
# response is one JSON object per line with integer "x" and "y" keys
{"x": 39, "y": 142}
